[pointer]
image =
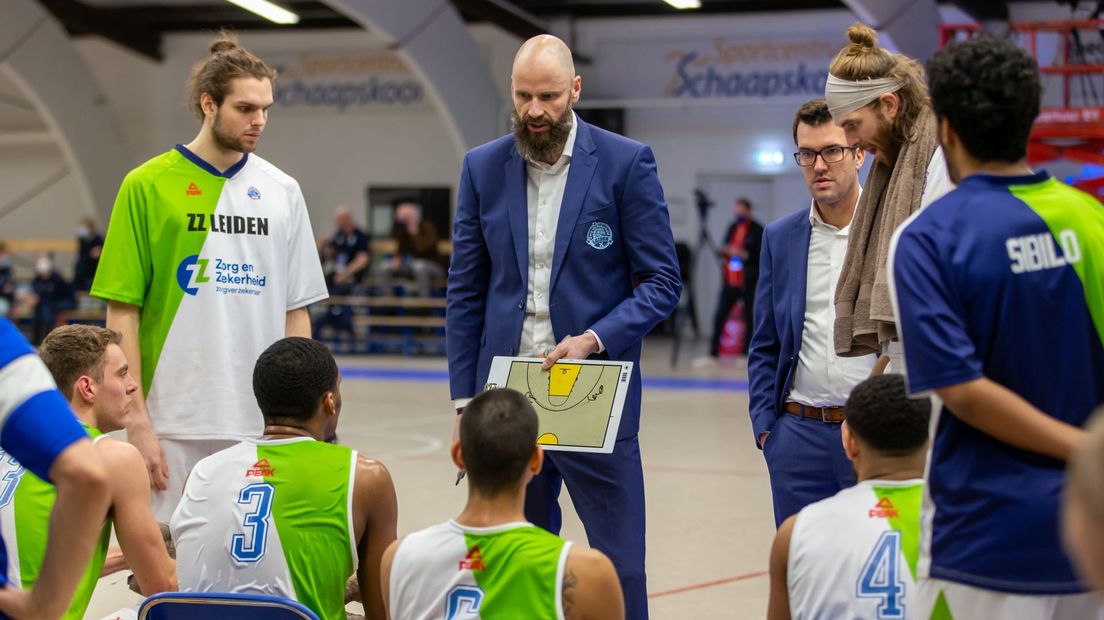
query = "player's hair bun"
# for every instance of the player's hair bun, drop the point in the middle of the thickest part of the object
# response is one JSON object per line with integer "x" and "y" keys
{"x": 862, "y": 37}
{"x": 224, "y": 44}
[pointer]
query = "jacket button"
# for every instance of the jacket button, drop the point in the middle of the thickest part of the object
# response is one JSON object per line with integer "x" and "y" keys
{"x": 520, "y": 305}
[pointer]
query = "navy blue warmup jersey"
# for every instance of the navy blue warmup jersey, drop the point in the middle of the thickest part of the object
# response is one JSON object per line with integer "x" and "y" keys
{"x": 1002, "y": 278}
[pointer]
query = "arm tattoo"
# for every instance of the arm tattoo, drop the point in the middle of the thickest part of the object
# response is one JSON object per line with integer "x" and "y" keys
{"x": 569, "y": 583}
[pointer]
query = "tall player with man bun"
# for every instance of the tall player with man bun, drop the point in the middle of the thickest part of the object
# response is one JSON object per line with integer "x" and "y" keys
{"x": 209, "y": 258}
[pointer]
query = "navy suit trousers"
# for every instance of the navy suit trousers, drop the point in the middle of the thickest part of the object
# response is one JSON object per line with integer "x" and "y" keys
{"x": 806, "y": 462}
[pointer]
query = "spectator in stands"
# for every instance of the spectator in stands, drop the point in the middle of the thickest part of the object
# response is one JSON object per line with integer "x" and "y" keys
{"x": 350, "y": 252}
{"x": 7, "y": 281}
{"x": 346, "y": 257}
{"x": 52, "y": 295}
{"x": 89, "y": 244}
{"x": 416, "y": 255}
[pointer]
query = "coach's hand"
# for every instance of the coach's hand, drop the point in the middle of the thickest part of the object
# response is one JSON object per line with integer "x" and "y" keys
{"x": 572, "y": 348}
{"x": 143, "y": 438}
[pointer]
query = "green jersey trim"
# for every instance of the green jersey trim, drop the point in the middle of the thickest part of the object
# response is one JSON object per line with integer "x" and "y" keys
{"x": 1076, "y": 221}
{"x": 532, "y": 582}
{"x": 309, "y": 525}
{"x": 34, "y": 501}
{"x": 140, "y": 241}
{"x": 904, "y": 517}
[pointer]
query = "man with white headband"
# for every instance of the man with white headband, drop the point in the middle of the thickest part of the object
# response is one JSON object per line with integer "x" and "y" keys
{"x": 880, "y": 100}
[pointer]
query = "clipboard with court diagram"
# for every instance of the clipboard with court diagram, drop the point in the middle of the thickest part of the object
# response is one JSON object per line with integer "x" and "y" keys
{"x": 578, "y": 402}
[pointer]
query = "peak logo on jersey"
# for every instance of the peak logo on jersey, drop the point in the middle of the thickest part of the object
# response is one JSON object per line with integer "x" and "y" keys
{"x": 191, "y": 273}
{"x": 884, "y": 510}
{"x": 193, "y": 190}
{"x": 261, "y": 468}
{"x": 473, "y": 561}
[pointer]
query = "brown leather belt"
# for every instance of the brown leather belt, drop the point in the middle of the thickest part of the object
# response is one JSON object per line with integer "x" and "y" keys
{"x": 832, "y": 415}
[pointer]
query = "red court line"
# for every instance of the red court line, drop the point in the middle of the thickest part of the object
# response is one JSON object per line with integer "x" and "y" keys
{"x": 708, "y": 584}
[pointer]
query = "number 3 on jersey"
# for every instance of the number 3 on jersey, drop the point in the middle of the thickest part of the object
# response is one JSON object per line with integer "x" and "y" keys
{"x": 11, "y": 478}
{"x": 250, "y": 546}
{"x": 880, "y": 577}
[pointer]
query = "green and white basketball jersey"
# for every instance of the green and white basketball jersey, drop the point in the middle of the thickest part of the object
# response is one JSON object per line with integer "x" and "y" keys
{"x": 270, "y": 517}
{"x": 853, "y": 555}
{"x": 215, "y": 260}
{"x": 25, "y": 505}
{"x": 453, "y": 572}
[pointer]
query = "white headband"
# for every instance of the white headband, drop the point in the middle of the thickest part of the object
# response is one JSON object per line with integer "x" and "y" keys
{"x": 845, "y": 96}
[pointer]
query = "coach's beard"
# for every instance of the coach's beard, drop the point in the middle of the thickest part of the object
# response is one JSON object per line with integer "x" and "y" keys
{"x": 546, "y": 146}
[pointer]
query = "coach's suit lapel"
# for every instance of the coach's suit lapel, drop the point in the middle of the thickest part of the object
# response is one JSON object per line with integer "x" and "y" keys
{"x": 583, "y": 163}
{"x": 517, "y": 206}
{"x": 798, "y": 264}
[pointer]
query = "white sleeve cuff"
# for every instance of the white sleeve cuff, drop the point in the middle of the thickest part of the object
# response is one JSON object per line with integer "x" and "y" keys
{"x": 460, "y": 403}
{"x": 601, "y": 347}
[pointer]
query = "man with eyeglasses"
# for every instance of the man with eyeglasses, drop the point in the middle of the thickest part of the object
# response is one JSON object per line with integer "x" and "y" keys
{"x": 798, "y": 385}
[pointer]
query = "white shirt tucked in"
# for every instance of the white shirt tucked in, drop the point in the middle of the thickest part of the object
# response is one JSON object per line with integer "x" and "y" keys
{"x": 822, "y": 378}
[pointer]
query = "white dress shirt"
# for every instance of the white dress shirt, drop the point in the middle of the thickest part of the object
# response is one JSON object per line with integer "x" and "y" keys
{"x": 822, "y": 378}
{"x": 544, "y": 190}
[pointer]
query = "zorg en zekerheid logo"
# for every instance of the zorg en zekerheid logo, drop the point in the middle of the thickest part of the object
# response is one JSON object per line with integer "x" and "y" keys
{"x": 231, "y": 278}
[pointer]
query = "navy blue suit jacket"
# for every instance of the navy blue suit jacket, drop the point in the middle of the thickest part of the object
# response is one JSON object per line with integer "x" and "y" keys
{"x": 620, "y": 291}
{"x": 779, "y": 317}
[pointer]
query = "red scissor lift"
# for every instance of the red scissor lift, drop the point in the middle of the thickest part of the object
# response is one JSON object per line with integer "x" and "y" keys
{"x": 1073, "y": 130}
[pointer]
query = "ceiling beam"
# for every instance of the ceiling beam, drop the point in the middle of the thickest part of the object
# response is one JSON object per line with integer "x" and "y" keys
{"x": 192, "y": 17}
{"x": 655, "y": 7}
{"x": 505, "y": 15}
{"x": 79, "y": 18}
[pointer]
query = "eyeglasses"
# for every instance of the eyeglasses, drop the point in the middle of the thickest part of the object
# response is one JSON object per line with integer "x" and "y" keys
{"x": 830, "y": 155}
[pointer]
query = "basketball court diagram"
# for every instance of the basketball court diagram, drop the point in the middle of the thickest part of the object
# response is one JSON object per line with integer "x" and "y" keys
{"x": 578, "y": 403}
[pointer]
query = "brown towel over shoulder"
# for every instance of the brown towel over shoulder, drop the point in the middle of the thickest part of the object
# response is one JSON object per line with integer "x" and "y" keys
{"x": 864, "y": 314}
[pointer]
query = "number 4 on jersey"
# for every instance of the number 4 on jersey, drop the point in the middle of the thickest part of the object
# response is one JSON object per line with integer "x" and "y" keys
{"x": 880, "y": 577}
{"x": 250, "y": 547}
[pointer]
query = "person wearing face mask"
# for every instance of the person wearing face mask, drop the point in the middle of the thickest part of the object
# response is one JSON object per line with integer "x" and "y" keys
{"x": 89, "y": 245}
{"x": 53, "y": 294}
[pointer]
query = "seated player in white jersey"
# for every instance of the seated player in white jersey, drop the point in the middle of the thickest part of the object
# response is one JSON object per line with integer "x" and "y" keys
{"x": 290, "y": 514}
{"x": 489, "y": 562}
{"x": 853, "y": 555}
{"x": 91, "y": 371}
{"x": 38, "y": 428}
{"x": 1083, "y": 505}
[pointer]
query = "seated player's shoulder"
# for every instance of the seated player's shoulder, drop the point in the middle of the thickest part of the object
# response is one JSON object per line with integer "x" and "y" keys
{"x": 372, "y": 474}
{"x": 119, "y": 456}
{"x": 590, "y": 586}
{"x": 370, "y": 467}
{"x": 590, "y": 565}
